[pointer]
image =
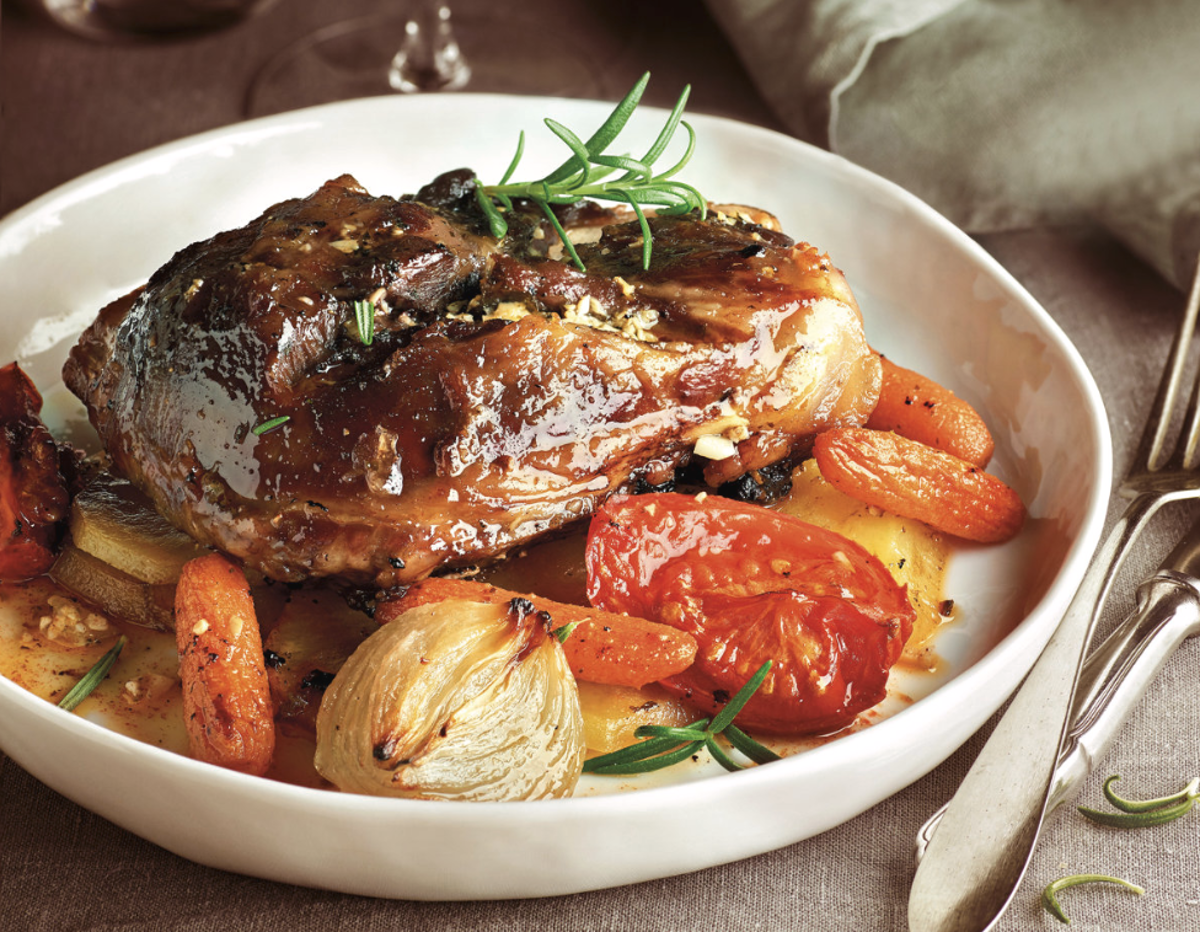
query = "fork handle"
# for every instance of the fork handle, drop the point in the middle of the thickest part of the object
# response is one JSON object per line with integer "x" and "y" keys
{"x": 1120, "y": 670}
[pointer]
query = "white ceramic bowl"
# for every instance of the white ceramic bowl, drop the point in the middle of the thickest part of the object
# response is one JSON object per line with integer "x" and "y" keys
{"x": 933, "y": 300}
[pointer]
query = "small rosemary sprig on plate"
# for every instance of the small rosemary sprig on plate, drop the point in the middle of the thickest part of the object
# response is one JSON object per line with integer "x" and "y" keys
{"x": 1050, "y": 894}
{"x": 93, "y": 678}
{"x": 1142, "y": 813}
{"x": 267, "y": 426}
{"x": 364, "y": 317}
{"x": 665, "y": 745}
{"x": 589, "y": 172}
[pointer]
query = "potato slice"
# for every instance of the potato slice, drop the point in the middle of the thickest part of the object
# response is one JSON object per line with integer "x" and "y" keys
{"x": 915, "y": 554}
{"x": 315, "y": 634}
{"x": 611, "y": 714}
{"x": 115, "y": 522}
{"x": 117, "y": 594}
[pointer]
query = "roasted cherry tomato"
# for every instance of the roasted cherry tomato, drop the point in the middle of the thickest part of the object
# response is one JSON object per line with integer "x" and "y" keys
{"x": 752, "y": 585}
{"x": 33, "y": 493}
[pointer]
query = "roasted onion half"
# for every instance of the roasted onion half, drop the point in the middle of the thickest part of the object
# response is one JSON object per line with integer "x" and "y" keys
{"x": 455, "y": 700}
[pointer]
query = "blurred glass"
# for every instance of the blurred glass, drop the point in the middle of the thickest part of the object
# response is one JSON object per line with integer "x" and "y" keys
{"x": 147, "y": 19}
{"x": 419, "y": 46}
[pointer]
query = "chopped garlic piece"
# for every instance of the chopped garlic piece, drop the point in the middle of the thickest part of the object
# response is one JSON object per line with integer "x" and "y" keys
{"x": 715, "y": 447}
{"x": 149, "y": 691}
{"x": 72, "y": 625}
{"x": 507, "y": 310}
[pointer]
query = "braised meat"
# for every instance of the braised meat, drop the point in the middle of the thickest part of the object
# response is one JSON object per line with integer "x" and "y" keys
{"x": 497, "y": 394}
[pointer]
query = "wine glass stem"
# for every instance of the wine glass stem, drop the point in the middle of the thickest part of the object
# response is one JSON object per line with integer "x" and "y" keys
{"x": 429, "y": 58}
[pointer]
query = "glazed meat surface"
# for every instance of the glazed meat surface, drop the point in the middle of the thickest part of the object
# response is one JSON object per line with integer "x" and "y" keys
{"x": 499, "y": 395}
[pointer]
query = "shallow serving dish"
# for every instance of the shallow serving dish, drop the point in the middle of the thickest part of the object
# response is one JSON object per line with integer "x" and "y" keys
{"x": 933, "y": 301}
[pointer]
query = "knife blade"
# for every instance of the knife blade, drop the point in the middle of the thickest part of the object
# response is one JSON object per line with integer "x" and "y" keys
{"x": 975, "y": 860}
{"x": 1116, "y": 674}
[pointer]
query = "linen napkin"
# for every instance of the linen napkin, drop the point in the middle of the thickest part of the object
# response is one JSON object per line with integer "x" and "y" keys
{"x": 1002, "y": 114}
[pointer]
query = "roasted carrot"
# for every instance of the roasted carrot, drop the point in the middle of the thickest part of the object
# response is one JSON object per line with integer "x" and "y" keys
{"x": 913, "y": 480}
{"x": 604, "y": 647}
{"x": 920, "y": 409}
{"x": 226, "y": 697}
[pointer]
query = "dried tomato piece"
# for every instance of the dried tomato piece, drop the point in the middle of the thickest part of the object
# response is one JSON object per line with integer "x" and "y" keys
{"x": 34, "y": 496}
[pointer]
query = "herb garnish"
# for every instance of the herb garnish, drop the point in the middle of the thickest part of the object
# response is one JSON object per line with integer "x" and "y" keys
{"x": 587, "y": 174}
{"x": 93, "y": 678}
{"x": 270, "y": 425}
{"x": 1146, "y": 812}
{"x": 364, "y": 316}
{"x": 1050, "y": 894}
{"x": 666, "y": 745}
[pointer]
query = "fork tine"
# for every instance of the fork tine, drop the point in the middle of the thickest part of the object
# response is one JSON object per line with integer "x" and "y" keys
{"x": 1149, "y": 456}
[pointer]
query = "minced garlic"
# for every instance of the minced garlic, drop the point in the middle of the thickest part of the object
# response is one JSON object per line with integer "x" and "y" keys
{"x": 72, "y": 625}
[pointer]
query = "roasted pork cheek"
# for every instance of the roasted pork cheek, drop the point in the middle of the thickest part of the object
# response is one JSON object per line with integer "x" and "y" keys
{"x": 504, "y": 393}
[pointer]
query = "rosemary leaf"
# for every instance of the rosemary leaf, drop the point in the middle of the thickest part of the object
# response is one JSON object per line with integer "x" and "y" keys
{"x": 668, "y": 131}
{"x": 562, "y": 235}
{"x": 1050, "y": 894}
{"x": 583, "y": 155}
{"x": 512, "y": 166}
{"x": 758, "y": 753}
{"x": 93, "y": 678}
{"x": 1191, "y": 791}
{"x": 725, "y": 717}
{"x": 647, "y": 235}
{"x": 496, "y": 222}
{"x": 687, "y": 153}
{"x": 642, "y": 751}
{"x": 719, "y": 755}
{"x": 267, "y": 426}
{"x": 656, "y": 763}
{"x": 1143, "y": 819}
{"x": 695, "y": 732}
{"x": 1143, "y": 813}
{"x": 364, "y": 316}
{"x": 608, "y": 131}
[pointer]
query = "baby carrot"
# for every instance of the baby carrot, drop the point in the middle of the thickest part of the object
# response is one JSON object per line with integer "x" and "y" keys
{"x": 913, "y": 480}
{"x": 226, "y": 698}
{"x": 604, "y": 647}
{"x": 920, "y": 409}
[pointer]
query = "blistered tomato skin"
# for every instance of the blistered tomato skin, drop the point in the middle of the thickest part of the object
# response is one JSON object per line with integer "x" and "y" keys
{"x": 33, "y": 492}
{"x": 753, "y": 585}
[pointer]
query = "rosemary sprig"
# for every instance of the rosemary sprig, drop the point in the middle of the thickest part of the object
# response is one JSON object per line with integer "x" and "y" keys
{"x": 665, "y": 745}
{"x": 1050, "y": 894}
{"x": 589, "y": 171}
{"x": 93, "y": 678}
{"x": 1145, "y": 812}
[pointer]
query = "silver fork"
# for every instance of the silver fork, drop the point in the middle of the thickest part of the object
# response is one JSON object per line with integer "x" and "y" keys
{"x": 993, "y": 833}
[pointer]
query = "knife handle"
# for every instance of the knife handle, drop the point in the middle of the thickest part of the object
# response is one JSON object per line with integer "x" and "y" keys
{"x": 1113, "y": 680}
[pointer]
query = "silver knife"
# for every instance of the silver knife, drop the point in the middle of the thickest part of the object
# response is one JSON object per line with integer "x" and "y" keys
{"x": 966, "y": 876}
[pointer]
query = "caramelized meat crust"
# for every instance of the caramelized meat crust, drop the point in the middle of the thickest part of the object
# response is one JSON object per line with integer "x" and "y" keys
{"x": 498, "y": 395}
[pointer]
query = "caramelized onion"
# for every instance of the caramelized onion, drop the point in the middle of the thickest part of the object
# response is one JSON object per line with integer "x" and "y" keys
{"x": 455, "y": 700}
